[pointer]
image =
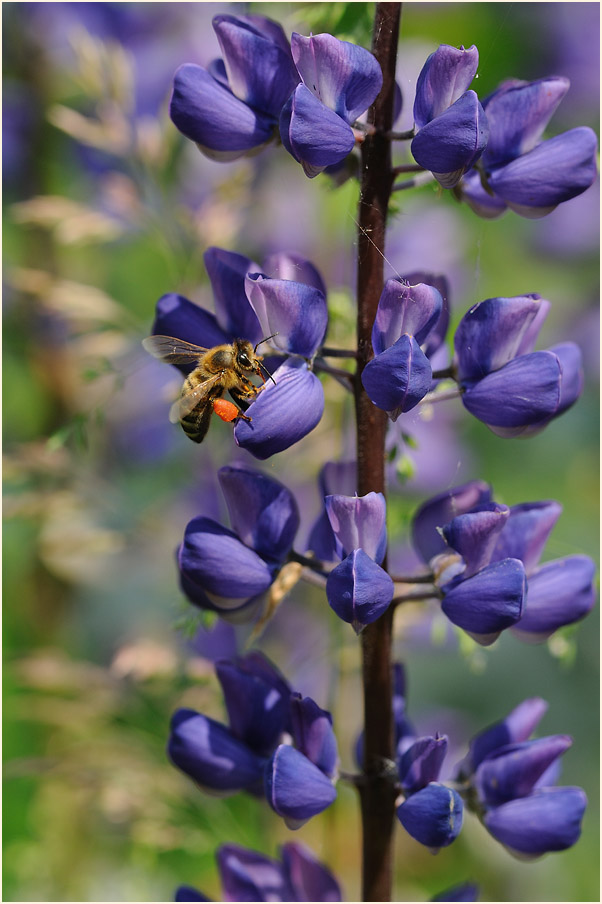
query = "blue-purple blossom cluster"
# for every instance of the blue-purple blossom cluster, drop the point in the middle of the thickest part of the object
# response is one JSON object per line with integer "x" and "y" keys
{"x": 507, "y": 779}
{"x": 307, "y": 92}
{"x": 484, "y": 557}
{"x": 485, "y": 561}
{"x": 511, "y": 785}
{"x": 503, "y": 382}
{"x": 311, "y": 92}
{"x": 277, "y": 744}
{"x": 492, "y": 153}
{"x": 229, "y": 571}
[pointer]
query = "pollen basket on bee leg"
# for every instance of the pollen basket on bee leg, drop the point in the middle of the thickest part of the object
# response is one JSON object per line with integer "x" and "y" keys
{"x": 226, "y": 410}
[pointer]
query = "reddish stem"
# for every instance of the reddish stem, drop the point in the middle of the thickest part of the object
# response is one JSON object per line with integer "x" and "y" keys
{"x": 377, "y": 791}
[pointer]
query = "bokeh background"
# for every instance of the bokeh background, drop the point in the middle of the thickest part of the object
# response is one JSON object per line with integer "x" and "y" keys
{"x": 106, "y": 208}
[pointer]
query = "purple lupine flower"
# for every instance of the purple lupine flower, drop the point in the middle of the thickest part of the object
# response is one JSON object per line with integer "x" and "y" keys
{"x": 466, "y": 892}
{"x": 517, "y": 169}
{"x": 250, "y": 876}
{"x": 480, "y": 594}
{"x": 232, "y": 108}
{"x": 508, "y": 386}
{"x": 498, "y": 546}
{"x": 400, "y": 374}
{"x": 229, "y": 571}
{"x": 433, "y": 815}
{"x": 452, "y": 126}
{"x": 338, "y": 83}
{"x": 358, "y": 589}
{"x": 295, "y": 308}
{"x": 250, "y": 754}
{"x": 512, "y": 791}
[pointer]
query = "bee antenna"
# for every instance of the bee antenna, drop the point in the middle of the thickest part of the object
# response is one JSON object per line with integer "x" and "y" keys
{"x": 266, "y": 371}
{"x": 261, "y": 341}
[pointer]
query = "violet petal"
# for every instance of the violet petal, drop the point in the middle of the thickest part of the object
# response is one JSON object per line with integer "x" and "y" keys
{"x": 313, "y": 734}
{"x": 398, "y": 378}
{"x": 522, "y": 393}
{"x": 309, "y": 879}
{"x": 263, "y": 512}
{"x": 358, "y": 590}
{"x": 421, "y": 763}
{"x": 295, "y": 788}
{"x": 452, "y": 142}
{"x": 359, "y": 521}
{"x": 493, "y": 332}
{"x": 207, "y": 752}
{"x": 488, "y": 602}
{"x": 559, "y": 593}
{"x": 405, "y": 308}
{"x": 249, "y": 876}
{"x": 294, "y": 313}
{"x": 439, "y": 510}
{"x": 260, "y": 69}
{"x": 547, "y": 820}
{"x": 474, "y": 535}
{"x": 526, "y": 532}
{"x": 445, "y": 76}
{"x": 227, "y": 271}
{"x": 433, "y": 816}
{"x": 518, "y": 115}
{"x": 213, "y": 557}
{"x": 315, "y": 135}
{"x": 258, "y": 712}
{"x": 518, "y": 725}
{"x": 513, "y": 771}
{"x": 344, "y": 77}
{"x": 555, "y": 171}
{"x": 282, "y": 414}
{"x": 178, "y": 317}
{"x": 210, "y": 115}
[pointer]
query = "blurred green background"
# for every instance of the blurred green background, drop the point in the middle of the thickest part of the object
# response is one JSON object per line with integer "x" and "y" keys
{"x": 106, "y": 208}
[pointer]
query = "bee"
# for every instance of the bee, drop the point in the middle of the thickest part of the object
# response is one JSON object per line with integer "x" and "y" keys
{"x": 220, "y": 369}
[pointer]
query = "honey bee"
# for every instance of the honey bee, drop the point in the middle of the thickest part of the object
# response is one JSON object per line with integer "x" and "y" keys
{"x": 220, "y": 369}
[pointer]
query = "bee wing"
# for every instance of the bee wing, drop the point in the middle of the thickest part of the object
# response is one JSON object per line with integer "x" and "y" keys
{"x": 174, "y": 351}
{"x": 188, "y": 402}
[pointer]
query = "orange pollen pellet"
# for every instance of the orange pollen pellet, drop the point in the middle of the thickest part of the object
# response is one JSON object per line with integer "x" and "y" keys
{"x": 226, "y": 410}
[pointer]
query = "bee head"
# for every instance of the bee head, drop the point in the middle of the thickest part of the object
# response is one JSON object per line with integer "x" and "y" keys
{"x": 245, "y": 355}
{"x": 248, "y": 359}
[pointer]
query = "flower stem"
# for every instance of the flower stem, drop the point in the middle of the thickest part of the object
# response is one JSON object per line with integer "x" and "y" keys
{"x": 377, "y": 792}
